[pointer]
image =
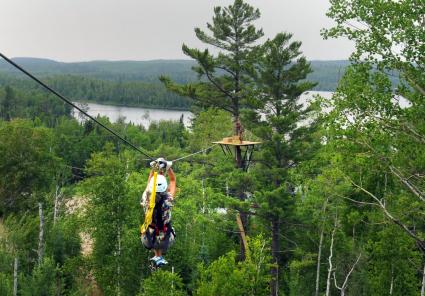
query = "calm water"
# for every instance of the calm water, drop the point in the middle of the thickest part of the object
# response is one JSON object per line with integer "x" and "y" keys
{"x": 145, "y": 116}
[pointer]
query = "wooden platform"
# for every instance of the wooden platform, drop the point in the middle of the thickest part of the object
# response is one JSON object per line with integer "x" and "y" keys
{"x": 235, "y": 141}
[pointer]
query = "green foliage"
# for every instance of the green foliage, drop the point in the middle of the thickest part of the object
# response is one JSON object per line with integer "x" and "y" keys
{"x": 394, "y": 261}
{"x": 226, "y": 276}
{"x": 346, "y": 182}
{"x": 113, "y": 223}
{"x": 18, "y": 102}
{"x": 386, "y": 33}
{"x": 27, "y": 165}
{"x": 63, "y": 241}
{"x": 210, "y": 126}
{"x": 6, "y": 284}
{"x": 43, "y": 280}
{"x": 83, "y": 89}
{"x": 162, "y": 283}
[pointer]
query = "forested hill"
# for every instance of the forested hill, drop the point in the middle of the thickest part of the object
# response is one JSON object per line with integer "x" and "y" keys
{"x": 121, "y": 93}
{"x": 327, "y": 73}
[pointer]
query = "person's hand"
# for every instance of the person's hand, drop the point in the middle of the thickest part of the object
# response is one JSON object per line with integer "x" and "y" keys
{"x": 164, "y": 164}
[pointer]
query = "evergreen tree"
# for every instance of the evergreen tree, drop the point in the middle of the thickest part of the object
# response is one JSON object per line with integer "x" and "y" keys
{"x": 225, "y": 80}
{"x": 7, "y": 104}
{"x": 286, "y": 134}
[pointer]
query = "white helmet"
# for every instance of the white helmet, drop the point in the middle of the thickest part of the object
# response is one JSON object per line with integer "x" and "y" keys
{"x": 161, "y": 184}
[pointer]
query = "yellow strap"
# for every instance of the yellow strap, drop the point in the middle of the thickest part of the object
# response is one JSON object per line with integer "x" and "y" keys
{"x": 149, "y": 213}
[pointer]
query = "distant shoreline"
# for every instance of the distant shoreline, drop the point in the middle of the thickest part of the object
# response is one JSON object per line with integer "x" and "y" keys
{"x": 130, "y": 105}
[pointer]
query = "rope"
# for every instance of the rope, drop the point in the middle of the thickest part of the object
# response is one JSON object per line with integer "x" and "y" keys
{"x": 63, "y": 98}
{"x": 200, "y": 151}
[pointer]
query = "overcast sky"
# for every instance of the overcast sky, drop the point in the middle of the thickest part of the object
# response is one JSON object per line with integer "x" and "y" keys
{"x": 83, "y": 30}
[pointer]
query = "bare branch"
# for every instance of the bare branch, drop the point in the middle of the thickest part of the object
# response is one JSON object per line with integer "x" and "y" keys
{"x": 412, "y": 187}
{"x": 363, "y": 203}
{"x": 391, "y": 217}
{"x": 345, "y": 284}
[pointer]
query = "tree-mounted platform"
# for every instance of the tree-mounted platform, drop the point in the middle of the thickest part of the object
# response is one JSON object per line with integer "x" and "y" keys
{"x": 242, "y": 148}
{"x": 236, "y": 141}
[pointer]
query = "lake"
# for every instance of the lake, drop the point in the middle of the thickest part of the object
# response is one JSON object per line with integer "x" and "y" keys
{"x": 145, "y": 116}
{"x": 136, "y": 115}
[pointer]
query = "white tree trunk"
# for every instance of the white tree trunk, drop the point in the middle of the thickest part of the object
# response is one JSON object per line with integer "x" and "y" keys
{"x": 319, "y": 257}
{"x": 119, "y": 249}
{"x": 15, "y": 277}
{"x": 55, "y": 212}
{"x": 119, "y": 263}
{"x": 345, "y": 284}
{"x": 41, "y": 234}
{"x": 423, "y": 282}
{"x": 172, "y": 283}
{"x": 203, "y": 196}
{"x": 330, "y": 269}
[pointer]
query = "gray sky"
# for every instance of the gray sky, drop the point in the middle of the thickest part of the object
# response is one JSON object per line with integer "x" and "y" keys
{"x": 83, "y": 30}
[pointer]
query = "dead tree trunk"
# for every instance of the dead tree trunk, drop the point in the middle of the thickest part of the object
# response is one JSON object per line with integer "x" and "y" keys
{"x": 15, "y": 277}
{"x": 41, "y": 234}
{"x": 344, "y": 286}
{"x": 330, "y": 268}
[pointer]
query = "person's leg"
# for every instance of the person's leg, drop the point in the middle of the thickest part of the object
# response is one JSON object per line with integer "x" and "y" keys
{"x": 157, "y": 252}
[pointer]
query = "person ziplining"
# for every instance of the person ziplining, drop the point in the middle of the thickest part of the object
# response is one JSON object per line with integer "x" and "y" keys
{"x": 157, "y": 233}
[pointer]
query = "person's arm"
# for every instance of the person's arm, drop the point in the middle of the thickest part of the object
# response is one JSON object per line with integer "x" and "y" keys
{"x": 172, "y": 185}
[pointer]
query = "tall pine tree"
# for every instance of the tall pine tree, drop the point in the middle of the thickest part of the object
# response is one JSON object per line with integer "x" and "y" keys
{"x": 224, "y": 78}
{"x": 280, "y": 122}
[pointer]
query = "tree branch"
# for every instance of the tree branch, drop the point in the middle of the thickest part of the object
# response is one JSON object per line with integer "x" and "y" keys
{"x": 391, "y": 217}
{"x": 412, "y": 188}
{"x": 218, "y": 86}
{"x": 345, "y": 284}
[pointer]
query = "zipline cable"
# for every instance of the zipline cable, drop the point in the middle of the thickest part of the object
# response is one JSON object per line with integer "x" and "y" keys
{"x": 63, "y": 98}
{"x": 200, "y": 151}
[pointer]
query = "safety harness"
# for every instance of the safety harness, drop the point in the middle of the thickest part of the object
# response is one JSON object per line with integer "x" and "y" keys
{"x": 149, "y": 212}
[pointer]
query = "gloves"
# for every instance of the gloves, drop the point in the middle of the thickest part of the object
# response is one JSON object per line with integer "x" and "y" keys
{"x": 162, "y": 163}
